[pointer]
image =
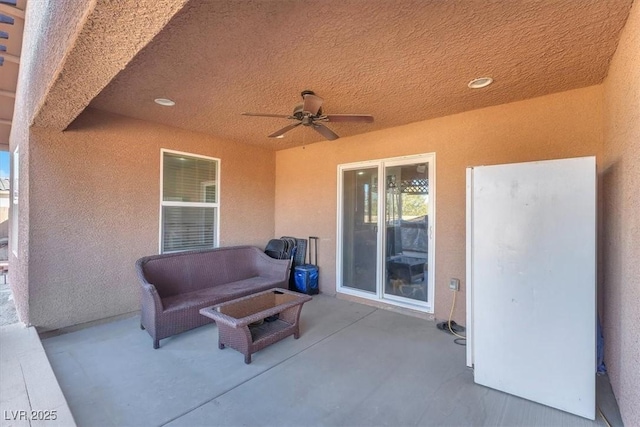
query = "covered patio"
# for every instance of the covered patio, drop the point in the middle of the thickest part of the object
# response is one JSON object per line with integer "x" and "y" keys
{"x": 352, "y": 365}
{"x": 112, "y": 95}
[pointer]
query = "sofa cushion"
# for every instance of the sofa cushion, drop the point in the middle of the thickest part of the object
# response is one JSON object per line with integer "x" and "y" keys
{"x": 217, "y": 294}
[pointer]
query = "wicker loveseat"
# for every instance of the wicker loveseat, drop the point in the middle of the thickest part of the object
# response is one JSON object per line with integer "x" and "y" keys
{"x": 174, "y": 287}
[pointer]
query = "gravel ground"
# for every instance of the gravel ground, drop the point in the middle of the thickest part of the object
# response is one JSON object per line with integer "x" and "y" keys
{"x": 8, "y": 313}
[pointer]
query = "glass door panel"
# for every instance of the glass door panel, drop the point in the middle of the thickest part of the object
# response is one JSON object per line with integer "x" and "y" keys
{"x": 360, "y": 229}
{"x": 406, "y": 232}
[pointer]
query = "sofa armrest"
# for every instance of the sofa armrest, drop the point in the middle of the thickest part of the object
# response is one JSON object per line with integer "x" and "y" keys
{"x": 272, "y": 268}
{"x": 150, "y": 310}
{"x": 150, "y": 298}
{"x": 150, "y": 302}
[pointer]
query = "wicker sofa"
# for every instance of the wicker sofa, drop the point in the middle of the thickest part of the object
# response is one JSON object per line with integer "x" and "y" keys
{"x": 174, "y": 287}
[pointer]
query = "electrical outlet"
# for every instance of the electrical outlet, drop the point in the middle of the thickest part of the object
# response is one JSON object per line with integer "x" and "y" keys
{"x": 454, "y": 284}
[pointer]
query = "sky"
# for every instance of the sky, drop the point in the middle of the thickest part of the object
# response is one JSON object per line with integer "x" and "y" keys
{"x": 4, "y": 164}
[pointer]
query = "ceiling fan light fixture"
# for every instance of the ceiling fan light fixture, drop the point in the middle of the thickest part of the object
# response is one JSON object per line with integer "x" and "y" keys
{"x": 310, "y": 114}
{"x": 165, "y": 102}
{"x": 480, "y": 82}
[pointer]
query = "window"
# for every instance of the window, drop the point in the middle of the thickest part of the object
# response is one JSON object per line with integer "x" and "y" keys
{"x": 13, "y": 243}
{"x": 190, "y": 205}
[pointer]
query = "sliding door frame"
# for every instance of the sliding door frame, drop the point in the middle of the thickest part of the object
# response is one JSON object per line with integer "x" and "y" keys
{"x": 379, "y": 296}
{"x": 340, "y": 229}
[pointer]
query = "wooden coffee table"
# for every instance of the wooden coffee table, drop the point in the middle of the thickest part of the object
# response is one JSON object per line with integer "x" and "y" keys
{"x": 234, "y": 318}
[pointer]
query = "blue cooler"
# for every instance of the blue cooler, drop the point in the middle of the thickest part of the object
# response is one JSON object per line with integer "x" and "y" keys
{"x": 305, "y": 276}
{"x": 306, "y": 279}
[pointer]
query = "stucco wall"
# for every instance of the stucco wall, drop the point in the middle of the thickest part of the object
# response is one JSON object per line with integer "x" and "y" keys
{"x": 562, "y": 125}
{"x": 48, "y": 31}
{"x": 50, "y": 28}
{"x": 97, "y": 187}
{"x": 622, "y": 220}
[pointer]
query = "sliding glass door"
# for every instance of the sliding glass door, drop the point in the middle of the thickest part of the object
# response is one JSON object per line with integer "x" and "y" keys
{"x": 387, "y": 256}
{"x": 406, "y": 253}
{"x": 360, "y": 229}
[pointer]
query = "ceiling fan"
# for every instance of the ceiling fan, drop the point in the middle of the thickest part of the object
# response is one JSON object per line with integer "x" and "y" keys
{"x": 310, "y": 113}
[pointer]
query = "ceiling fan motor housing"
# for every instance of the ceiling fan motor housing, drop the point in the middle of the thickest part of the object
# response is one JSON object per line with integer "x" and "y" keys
{"x": 305, "y": 117}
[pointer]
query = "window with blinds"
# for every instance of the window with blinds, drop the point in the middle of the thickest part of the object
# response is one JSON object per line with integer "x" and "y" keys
{"x": 189, "y": 209}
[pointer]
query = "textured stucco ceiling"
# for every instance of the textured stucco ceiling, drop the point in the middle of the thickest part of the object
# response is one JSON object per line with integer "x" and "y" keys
{"x": 401, "y": 61}
{"x": 109, "y": 34}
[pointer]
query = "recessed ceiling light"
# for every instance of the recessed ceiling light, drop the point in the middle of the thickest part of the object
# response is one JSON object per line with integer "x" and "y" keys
{"x": 480, "y": 82}
{"x": 166, "y": 102}
{"x": 279, "y": 136}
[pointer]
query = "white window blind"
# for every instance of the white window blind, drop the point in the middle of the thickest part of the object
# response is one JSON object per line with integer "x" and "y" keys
{"x": 189, "y": 206}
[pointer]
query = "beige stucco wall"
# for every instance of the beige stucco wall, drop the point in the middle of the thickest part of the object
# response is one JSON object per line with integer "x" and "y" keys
{"x": 97, "y": 187}
{"x": 622, "y": 221}
{"x": 562, "y": 125}
{"x": 49, "y": 29}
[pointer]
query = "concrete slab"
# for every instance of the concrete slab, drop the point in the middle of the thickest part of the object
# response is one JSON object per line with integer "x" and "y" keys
{"x": 353, "y": 365}
{"x": 29, "y": 392}
{"x": 114, "y": 364}
{"x": 387, "y": 370}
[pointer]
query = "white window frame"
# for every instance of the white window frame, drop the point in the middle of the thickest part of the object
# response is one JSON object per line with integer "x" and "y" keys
{"x": 216, "y": 205}
{"x": 14, "y": 200}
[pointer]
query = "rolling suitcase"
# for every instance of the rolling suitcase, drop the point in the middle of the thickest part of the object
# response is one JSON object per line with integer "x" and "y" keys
{"x": 300, "y": 254}
{"x": 306, "y": 275}
{"x": 299, "y": 258}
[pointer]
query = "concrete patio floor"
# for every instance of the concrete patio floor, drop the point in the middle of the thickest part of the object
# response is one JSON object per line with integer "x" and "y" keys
{"x": 353, "y": 365}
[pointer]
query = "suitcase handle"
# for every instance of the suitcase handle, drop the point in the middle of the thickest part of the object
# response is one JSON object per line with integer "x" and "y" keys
{"x": 315, "y": 251}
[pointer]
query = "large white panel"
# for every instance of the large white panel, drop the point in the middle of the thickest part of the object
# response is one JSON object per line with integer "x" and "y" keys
{"x": 534, "y": 274}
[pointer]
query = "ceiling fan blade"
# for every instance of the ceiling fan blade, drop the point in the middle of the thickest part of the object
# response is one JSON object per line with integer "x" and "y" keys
{"x": 363, "y": 118}
{"x": 284, "y": 130}
{"x": 282, "y": 116}
{"x": 312, "y": 103}
{"x": 325, "y": 131}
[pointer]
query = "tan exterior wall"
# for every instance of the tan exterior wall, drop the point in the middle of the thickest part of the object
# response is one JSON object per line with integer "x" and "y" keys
{"x": 50, "y": 29}
{"x": 97, "y": 187}
{"x": 48, "y": 32}
{"x": 562, "y": 125}
{"x": 622, "y": 220}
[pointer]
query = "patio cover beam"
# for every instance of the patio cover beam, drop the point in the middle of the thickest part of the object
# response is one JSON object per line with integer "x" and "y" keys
{"x": 10, "y": 58}
{"x": 7, "y": 93}
{"x": 11, "y": 11}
